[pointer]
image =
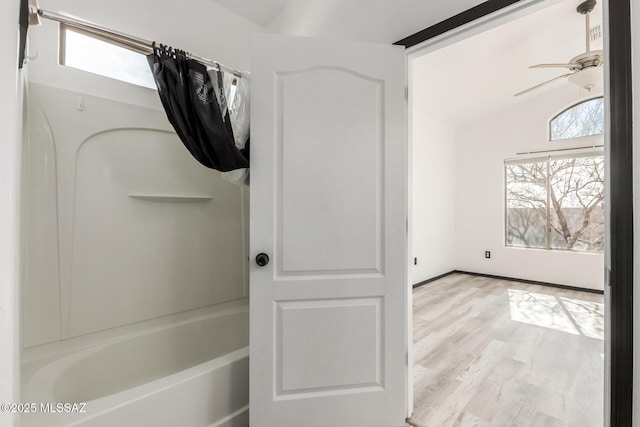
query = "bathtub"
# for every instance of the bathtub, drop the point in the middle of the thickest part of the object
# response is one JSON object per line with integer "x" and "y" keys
{"x": 193, "y": 373}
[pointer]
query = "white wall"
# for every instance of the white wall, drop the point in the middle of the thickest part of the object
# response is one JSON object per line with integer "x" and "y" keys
{"x": 481, "y": 150}
{"x": 433, "y": 191}
{"x": 11, "y": 88}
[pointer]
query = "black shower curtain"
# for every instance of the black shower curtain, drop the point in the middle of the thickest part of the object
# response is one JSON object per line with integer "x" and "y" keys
{"x": 192, "y": 108}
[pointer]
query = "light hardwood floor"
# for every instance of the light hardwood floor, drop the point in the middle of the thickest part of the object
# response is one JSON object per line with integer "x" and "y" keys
{"x": 496, "y": 353}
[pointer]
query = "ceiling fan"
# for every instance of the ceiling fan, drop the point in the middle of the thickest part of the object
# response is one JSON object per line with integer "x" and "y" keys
{"x": 585, "y": 67}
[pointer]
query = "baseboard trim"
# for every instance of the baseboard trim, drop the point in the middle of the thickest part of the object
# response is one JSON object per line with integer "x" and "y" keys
{"x": 424, "y": 282}
{"x": 511, "y": 279}
{"x": 531, "y": 282}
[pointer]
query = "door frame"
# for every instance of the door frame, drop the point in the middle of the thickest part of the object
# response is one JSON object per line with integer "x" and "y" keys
{"x": 619, "y": 312}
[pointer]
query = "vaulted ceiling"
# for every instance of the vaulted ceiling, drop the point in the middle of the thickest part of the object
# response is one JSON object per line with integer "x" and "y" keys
{"x": 479, "y": 75}
{"x": 383, "y": 21}
{"x": 261, "y": 12}
{"x": 484, "y": 70}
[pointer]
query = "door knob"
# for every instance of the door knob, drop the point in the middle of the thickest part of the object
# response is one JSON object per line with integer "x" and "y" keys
{"x": 262, "y": 259}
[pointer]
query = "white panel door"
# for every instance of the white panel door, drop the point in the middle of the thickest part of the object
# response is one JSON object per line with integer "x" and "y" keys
{"x": 329, "y": 208}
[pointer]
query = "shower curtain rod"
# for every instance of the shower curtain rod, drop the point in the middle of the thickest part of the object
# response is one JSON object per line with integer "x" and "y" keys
{"x": 127, "y": 41}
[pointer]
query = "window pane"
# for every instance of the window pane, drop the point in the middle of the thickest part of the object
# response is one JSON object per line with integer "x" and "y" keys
{"x": 584, "y": 119}
{"x": 577, "y": 199}
{"x": 96, "y": 56}
{"x": 527, "y": 205}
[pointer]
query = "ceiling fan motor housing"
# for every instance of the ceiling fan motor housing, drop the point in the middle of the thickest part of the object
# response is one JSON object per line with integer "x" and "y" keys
{"x": 588, "y": 59}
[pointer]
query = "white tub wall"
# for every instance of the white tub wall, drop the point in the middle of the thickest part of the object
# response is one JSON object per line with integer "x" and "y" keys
{"x": 481, "y": 149}
{"x": 56, "y": 306}
{"x": 11, "y": 87}
{"x": 40, "y": 290}
{"x": 121, "y": 260}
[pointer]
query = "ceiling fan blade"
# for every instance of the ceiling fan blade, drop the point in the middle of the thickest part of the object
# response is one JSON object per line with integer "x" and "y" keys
{"x": 555, "y": 66}
{"x": 531, "y": 89}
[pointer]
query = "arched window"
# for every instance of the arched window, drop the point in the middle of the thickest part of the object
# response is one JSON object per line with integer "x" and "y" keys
{"x": 583, "y": 119}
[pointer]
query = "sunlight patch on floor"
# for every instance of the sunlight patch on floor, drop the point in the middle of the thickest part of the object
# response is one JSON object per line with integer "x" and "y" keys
{"x": 563, "y": 314}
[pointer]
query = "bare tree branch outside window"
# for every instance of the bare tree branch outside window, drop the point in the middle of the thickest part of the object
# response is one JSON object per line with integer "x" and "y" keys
{"x": 583, "y": 119}
{"x": 556, "y": 204}
{"x": 527, "y": 205}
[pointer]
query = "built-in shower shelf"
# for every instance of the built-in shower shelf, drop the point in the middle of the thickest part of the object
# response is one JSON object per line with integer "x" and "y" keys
{"x": 170, "y": 198}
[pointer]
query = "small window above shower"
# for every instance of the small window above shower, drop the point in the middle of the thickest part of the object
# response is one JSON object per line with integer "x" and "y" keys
{"x": 88, "y": 52}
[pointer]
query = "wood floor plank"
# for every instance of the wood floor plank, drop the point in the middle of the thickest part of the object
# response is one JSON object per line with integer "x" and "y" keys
{"x": 543, "y": 420}
{"x": 495, "y": 353}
